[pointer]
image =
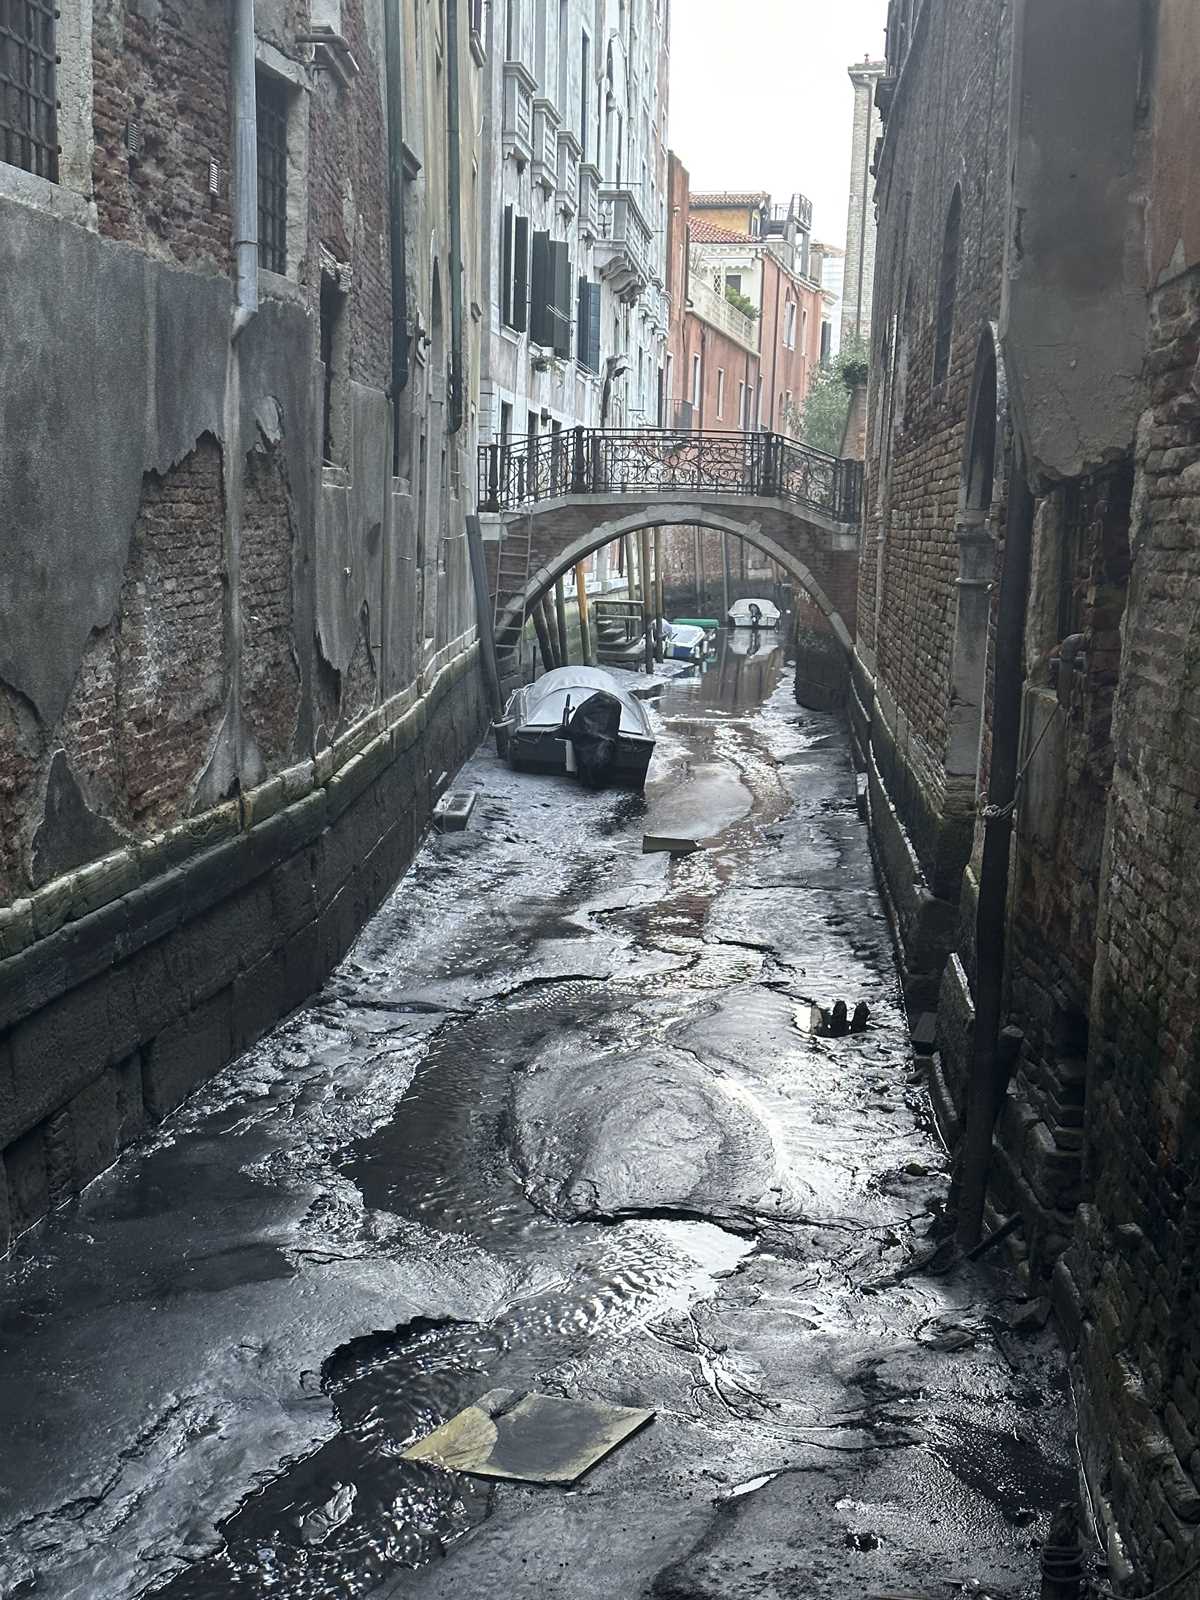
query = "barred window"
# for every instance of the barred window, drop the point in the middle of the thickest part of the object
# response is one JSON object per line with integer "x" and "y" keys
{"x": 28, "y": 91}
{"x": 272, "y": 172}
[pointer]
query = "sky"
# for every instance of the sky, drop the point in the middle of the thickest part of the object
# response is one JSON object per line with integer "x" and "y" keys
{"x": 760, "y": 98}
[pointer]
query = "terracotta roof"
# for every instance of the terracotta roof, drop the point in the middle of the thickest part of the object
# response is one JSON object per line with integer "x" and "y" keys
{"x": 731, "y": 197}
{"x": 703, "y": 232}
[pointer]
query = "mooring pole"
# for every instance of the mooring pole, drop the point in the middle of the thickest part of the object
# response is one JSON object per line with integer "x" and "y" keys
{"x": 538, "y": 614}
{"x": 483, "y": 611}
{"x": 585, "y": 621}
{"x": 658, "y": 593}
{"x": 647, "y": 602}
{"x": 628, "y": 543}
{"x": 560, "y": 617}
{"x": 698, "y": 557}
{"x": 725, "y": 574}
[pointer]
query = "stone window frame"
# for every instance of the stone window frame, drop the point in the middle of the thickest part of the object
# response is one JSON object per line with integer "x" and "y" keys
{"x": 272, "y": 61}
{"x": 70, "y": 197}
{"x": 947, "y": 300}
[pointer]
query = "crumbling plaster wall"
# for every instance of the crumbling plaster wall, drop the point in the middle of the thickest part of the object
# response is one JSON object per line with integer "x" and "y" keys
{"x": 92, "y": 441}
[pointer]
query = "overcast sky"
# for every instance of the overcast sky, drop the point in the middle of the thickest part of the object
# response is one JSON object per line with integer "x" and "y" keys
{"x": 760, "y": 98}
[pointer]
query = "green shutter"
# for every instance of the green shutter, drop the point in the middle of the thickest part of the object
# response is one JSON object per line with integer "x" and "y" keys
{"x": 520, "y": 291}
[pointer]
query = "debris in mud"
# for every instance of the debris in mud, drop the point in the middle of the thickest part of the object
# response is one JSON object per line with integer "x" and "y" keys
{"x": 453, "y": 810}
{"x": 662, "y": 844}
{"x": 530, "y": 1438}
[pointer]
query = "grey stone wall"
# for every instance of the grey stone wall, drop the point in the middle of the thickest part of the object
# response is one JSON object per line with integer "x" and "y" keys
{"x": 126, "y": 984}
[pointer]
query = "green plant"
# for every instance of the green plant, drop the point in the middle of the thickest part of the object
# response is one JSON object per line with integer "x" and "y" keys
{"x": 740, "y": 301}
{"x": 827, "y": 406}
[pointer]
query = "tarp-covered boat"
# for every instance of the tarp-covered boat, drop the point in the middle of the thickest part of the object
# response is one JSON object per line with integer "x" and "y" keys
{"x": 754, "y": 614}
{"x": 578, "y": 720}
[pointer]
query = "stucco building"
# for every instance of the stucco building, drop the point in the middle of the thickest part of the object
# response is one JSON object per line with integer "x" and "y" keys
{"x": 237, "y": 633}
{"x": 858, "y": 283}
{"x": 1024, "y": 679}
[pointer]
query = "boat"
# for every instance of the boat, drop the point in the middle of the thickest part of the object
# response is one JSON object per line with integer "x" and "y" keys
{"x": 577, "y": 720}
{"x": 685, "y": 642}
{"x": 754, "y": 614}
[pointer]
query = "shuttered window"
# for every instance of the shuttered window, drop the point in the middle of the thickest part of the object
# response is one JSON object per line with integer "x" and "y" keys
{"x": 520, "y": 275}
{"x": 587, "y": 340}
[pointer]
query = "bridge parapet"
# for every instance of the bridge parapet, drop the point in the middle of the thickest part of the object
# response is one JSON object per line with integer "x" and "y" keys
{"x": 603, "y": 461}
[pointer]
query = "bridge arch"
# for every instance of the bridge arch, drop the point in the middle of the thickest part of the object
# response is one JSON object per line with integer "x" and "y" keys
{"x": 557, "y": 556}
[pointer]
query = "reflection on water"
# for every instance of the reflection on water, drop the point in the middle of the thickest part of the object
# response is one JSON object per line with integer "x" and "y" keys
{"x": 739, "y": 676}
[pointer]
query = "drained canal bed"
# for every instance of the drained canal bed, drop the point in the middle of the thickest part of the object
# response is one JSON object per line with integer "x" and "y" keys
{"x": 555, "y": 1125}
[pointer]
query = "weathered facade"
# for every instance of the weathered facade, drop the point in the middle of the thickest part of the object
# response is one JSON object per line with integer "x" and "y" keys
{"x": 1024, "y": 678}
{"x": 238, "y": 643}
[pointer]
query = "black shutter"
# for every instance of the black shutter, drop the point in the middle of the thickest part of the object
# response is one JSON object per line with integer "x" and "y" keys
{"x": 506, "y": 268}
{"x": 562, "y": 301}
{"x": 541, "y": 327}
{"x": 581, "y": 323}
{"x": 594, "y": 327}
{"x": 520, "y": 289}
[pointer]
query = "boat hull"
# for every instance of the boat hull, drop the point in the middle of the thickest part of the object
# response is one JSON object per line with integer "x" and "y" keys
{"x": 539, "y": 750}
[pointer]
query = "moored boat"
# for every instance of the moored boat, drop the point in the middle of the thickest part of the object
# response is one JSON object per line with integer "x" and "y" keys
{"x": 578, "y": 720}
{"x": 686, "y": 642}
{"x": 754, "y": 613}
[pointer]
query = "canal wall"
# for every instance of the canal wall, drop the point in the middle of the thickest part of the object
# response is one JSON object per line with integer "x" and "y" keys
{"x": 127, "y": 983}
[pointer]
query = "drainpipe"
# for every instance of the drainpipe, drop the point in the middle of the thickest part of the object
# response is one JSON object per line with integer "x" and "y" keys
{"x": 989, "y": 1069}
{"x": 399, "y": 237}
{"x": 455, "y": 186}
{"x": 245, "y": 167}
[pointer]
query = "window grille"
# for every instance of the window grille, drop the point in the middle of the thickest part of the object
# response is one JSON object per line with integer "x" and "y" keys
{"x": 272, "y": 172}
{"x": 28, "y": 91}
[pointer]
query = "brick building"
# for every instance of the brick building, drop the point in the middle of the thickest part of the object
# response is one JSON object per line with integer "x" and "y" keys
{"x": 236, "y": 624}
{"x": 744, "y": 343}
{"x": 1024, "y": 678}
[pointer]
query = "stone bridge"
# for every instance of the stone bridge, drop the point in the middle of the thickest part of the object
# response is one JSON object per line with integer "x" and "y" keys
{"x": 550, "y": 500}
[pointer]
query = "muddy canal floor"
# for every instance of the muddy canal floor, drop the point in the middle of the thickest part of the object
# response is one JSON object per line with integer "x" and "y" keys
{"x": 552, "y": 1125}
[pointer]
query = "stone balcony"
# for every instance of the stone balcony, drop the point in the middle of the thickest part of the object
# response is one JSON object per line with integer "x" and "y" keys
{"x": 519, "y": 84}
{"x": 569, "y": 151}
{"x": 714, "y": 309}
{"x": 625, "y": 246}
{"x": 545, "y": 144}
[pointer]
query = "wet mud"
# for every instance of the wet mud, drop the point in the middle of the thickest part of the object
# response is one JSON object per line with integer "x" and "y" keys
{"x": 557, "y": 1123}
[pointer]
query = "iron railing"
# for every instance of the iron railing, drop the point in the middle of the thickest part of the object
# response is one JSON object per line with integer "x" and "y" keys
{"x": 547, "y": 466}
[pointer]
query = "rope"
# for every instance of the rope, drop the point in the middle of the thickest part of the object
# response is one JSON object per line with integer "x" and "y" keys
{"x": 999, "y": 813}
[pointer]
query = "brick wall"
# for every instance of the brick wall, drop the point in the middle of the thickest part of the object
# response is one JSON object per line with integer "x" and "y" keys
{"x": 165, "y": 71}
{"x": 1134, "y": 1283}
{"x": 151, "y": 686}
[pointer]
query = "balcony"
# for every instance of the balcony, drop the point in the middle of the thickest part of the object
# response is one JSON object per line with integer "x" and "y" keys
{"x": 545, "y": 145}
{"x": 589, "y": 200}
{"x": 624, "y": 248}
{"x": 714, "y": 309}
{"x": 519, "y": 84}
{"x": 569, "y": 151}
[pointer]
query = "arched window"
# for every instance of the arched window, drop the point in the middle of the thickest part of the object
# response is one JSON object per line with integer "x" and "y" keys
{"x": 947, "y": 287}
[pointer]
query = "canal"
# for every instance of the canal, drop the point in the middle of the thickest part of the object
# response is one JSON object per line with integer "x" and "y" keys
{"x": 557, "y": 1123}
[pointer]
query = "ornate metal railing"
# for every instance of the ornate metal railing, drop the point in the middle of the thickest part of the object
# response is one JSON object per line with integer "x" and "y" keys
{"x": 547, "y": 466}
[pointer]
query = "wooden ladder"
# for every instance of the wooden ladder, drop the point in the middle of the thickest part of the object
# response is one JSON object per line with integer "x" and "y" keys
{"x": 513, "y": 564}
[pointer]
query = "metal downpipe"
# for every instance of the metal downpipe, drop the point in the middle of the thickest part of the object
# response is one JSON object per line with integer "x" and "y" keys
{"x": 245, "y": 167}
{"x": 989, "y": 1071}
{"x": 454, "y": 171}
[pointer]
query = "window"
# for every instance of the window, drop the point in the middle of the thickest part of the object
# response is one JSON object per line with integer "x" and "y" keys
{"x": 272, "y": 172}
{"x": 512, "y": 29}
{"x": 696, "y": 382}
{"x": 28, "y": 87}
{"x": 587, "y": 338}
{"x": 741, "y": 405}
{"x": 563, "y": 57}
{"x": 550, "y": 295}
{"x": 733, "y": 283}
{"x": 947, "y": 288}
{"x": 337, "y": 375}
{"x": 789, "y": 325}
{"x": 585, "y": 69}
{"x": 720, "y": 391}
{"x": 514, "y": 271}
